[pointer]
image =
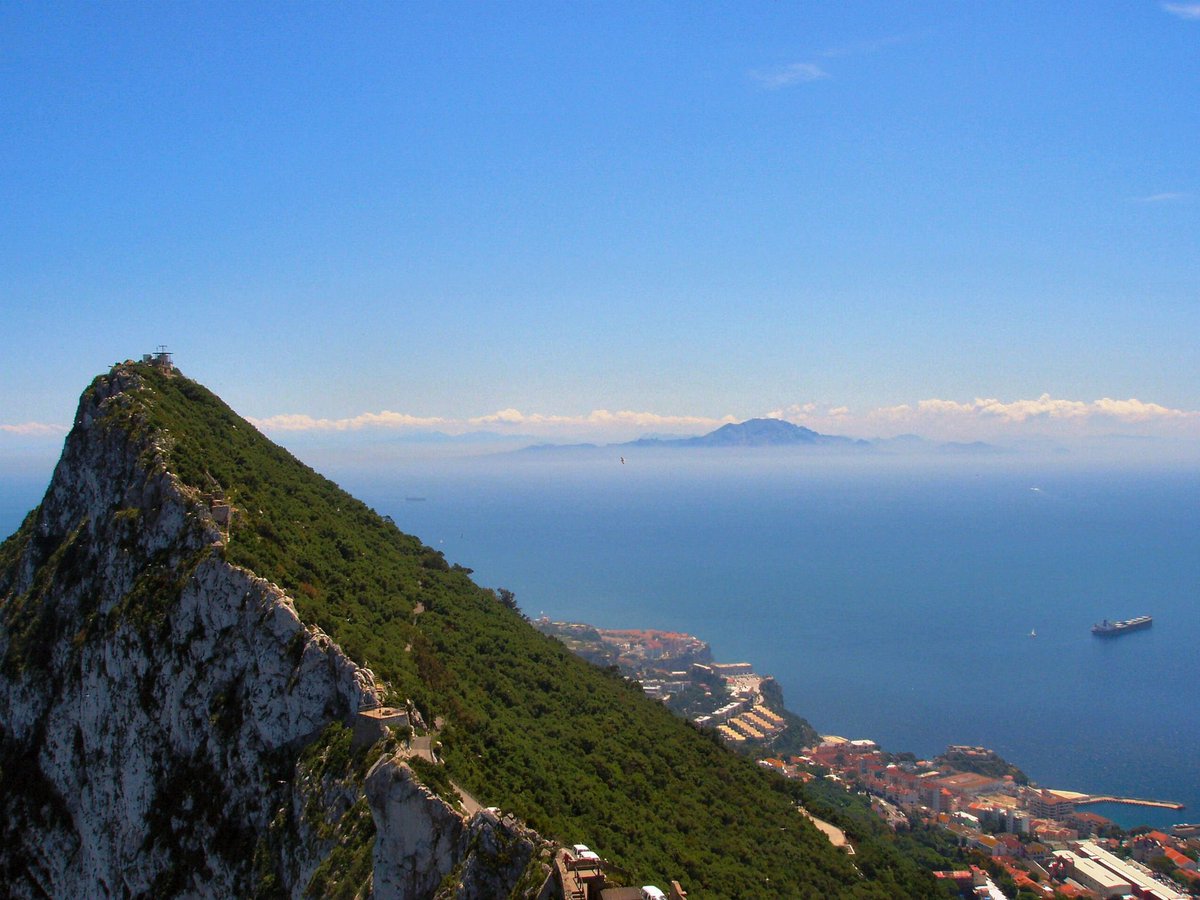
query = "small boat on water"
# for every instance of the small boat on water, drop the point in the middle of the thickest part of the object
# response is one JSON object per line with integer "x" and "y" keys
{"x": 1112, "y": 629}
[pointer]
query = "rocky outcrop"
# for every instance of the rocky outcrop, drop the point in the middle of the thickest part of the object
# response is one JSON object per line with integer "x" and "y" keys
{"x": 417, "y": 833}
{"x": 503, "y": 852}
{"x": 425, "y": 847}
{"x": 159, "y": 707}
{"x": 153, "y": 694}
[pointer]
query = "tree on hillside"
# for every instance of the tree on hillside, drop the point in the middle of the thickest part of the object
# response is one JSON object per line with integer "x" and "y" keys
{"x": 508, "y": 598}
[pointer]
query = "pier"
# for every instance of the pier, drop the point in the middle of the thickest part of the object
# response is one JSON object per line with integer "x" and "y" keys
{"x": 1127, "y": 801}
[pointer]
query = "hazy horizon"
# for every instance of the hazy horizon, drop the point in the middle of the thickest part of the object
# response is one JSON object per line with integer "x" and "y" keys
{"x": 33, "y": 457}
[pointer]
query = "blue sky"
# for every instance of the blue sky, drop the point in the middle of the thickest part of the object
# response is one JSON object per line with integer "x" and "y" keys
{"x": 607, "y": 219}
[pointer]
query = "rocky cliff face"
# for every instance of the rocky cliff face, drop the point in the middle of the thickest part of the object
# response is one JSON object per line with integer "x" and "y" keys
{"x": 425, "y": 845}
{"x": 169, "y": 726}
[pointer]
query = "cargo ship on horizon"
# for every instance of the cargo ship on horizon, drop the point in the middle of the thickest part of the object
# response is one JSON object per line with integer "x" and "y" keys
{"x": 1111, "y": 629}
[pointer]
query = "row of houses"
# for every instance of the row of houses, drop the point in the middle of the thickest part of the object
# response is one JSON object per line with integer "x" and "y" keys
{"x": 756, "y": 724}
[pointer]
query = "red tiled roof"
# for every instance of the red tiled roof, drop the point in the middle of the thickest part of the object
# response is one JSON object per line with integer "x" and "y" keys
{"x": 961, "y": 875}
{"x": 1096, "y": 819}
{"x": 1069, "y": 890}
{"x": 1178, "y": 858}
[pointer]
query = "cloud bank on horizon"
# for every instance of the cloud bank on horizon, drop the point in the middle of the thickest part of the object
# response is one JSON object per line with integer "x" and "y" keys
{"x": 993, "y": 419}
{"x": 978, "y": 419}
{"x": 990, "y": 420}
{"x": 939, "y": 419}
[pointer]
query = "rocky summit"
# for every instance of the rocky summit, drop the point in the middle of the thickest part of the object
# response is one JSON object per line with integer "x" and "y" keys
{"x": 222, "y": 676}
{"x": 170, "y": 725}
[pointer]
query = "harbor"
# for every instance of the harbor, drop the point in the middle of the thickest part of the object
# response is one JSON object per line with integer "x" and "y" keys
{"x": 1130, "y": 801}
{"x": 1086, "y": 799}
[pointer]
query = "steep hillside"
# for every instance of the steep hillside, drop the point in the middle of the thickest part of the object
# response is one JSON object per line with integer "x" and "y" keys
{"x": 125, "y": 564}
{"x": 169, "y": 726}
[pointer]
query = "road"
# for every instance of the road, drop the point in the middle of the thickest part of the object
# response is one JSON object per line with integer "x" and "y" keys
{"x": 423, "y": 747}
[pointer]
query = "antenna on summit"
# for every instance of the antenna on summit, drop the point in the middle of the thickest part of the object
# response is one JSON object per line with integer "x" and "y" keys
{"x": 160, "y": 358}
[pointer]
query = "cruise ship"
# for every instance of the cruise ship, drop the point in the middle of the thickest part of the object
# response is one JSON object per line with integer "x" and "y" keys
{"x": 1107, "y": 628}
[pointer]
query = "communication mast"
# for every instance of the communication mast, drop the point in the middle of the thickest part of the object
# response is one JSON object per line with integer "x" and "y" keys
{"x": 160, "y": 358}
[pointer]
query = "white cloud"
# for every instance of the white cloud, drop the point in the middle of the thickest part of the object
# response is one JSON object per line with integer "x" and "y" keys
{"x": 1022, "y": 410}
{"x": 936, "y": 418}
{"x": 1136, "y": 411}
{"x": 796, "y": 410}
{"x": 982, "y": 418}
{"x": 785, "y": 76}
{"x": 383, "y": 419}
{"x": 820, "y": 417}
{"x": 599, "y": 423}
{"x": 861, "y": 48}
{"x": 599, "y": 417}
{"x": 1164, "y": 197}
{"x": 505, "y": 417}
{"x": 989, "y": 418}
{"x": 992, "y": 419}
{"x": 807, "y": 72}
{"x": 1044, "y": 407}
{"x": 1183, "y": 10}
{"x": 34, "y": 429}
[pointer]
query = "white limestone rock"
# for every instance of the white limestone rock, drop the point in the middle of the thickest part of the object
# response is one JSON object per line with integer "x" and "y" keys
{"x": 156, "y": 701}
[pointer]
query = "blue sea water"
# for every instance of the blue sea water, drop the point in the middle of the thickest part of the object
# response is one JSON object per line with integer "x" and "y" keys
{"x": 892, "y": 599}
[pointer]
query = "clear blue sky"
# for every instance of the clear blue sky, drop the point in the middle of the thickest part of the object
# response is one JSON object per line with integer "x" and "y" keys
{"x": 678, "y": 210}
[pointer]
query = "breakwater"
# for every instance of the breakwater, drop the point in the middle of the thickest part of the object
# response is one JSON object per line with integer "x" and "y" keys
{"x": 1128, "y": 801}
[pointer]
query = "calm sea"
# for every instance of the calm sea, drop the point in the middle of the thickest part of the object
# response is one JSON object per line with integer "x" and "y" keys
{"x": 892, "y": 600}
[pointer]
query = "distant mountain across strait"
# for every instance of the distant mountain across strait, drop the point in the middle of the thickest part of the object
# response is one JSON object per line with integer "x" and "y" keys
{"x": 781, "y": 433}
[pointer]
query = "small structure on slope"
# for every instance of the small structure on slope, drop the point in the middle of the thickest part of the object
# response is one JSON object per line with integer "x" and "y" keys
{"x": 160, "y": 359}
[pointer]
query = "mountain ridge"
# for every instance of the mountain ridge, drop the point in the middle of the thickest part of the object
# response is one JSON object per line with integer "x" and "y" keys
{"x": 761, "y": 432}
{"x": 526, "y": 727}
{"x": 766, "y": 432}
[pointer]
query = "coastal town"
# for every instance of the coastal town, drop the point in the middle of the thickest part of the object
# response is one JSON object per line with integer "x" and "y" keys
{"x": 1021, "y": 840}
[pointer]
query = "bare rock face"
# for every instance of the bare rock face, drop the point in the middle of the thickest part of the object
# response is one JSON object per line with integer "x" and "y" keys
{"x": 156, "y": 702}
{"x": 417, "y": 833}
{"x": 426, "y": 848}
{"x": 153, "y": 696}
{"x": 500, "y": 851}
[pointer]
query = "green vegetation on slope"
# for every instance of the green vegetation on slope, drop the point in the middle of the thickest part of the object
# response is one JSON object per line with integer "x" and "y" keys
{"x": 980, "y": 761}
{"x": 580, "y": 754}
{"x": 330, "y": 762}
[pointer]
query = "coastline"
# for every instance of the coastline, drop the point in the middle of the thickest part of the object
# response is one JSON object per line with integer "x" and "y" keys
{"x": 895, "y": 607}
{"x": 673, "y": 664}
